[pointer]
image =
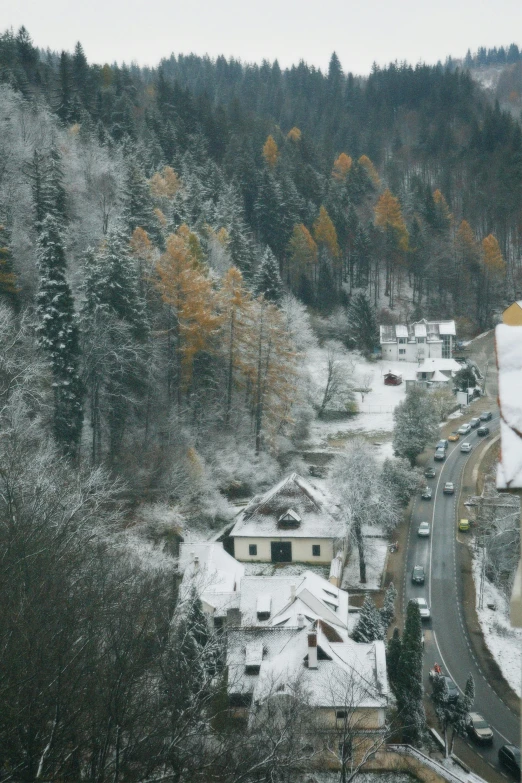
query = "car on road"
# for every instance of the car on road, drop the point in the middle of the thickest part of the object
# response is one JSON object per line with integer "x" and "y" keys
{"x": 453, "y": 691}
{"x": 474, "y": 423}
{"x": 509, "y": 757}
{"x": 424, "y": 609}
{"x": 440, "y": 454}
{"x": 449, "y": 488}
{"x": 464, "y": 430}
{"x": 426, "y": 493}
{"x": 478, "y": 728}
{"x": 417, "y": 575}
{"x": 486, "y": 416}
{"x": 454, "y": 436}
{"x": 424, "y": 529}
{"x": 464, "y": 525}
{"x": 430, "y": 472}
{"x": 442, "y": 444}
{"x": 465, "y": 447}
{"x": 483, "y": 431}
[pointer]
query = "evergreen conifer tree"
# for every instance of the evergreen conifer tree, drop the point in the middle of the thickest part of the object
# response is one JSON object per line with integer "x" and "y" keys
{"x": 267, "y": 281}
{"x": 393, "y": 656}
{"x": 9, "y": 290}
{"x": 369, "y": 626}
{"x": 138, "y": 208}
{"x": 416, "y": 424}
{"x": 363, "y": 322}
{"x": 388, "y": 609}
{"x": 409, "y": 687}
{"x": 58, "y": 335}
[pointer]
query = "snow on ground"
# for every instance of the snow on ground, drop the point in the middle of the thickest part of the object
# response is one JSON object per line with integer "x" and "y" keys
{"x": 375, "y": 410}
{"x": 285, "y": 569}
{"x": 364, "y": 777}
{"x": 376, "y": 550}
{"x": 503, "y": 641}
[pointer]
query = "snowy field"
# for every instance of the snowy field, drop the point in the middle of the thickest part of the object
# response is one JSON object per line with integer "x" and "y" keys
{"x": 503, "y": 641}
{"x": 375, "y": 417}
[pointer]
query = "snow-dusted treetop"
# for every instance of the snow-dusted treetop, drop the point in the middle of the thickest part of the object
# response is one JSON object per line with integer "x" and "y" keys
{"x": 509, "y": 360}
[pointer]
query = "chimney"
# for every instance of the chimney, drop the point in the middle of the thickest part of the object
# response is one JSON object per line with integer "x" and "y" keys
{"x": 300, "y": 621}
{"x": 292, "y": 592}
{"x": 312, "y": 650}
{"x": 196, "y": 561}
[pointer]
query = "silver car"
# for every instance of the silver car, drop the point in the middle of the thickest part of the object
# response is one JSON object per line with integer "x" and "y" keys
{"x": 424, "y": 609}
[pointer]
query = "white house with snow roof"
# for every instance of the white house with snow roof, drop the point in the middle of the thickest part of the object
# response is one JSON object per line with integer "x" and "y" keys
{"x": 421, "y": 340}
{"x": 337, "y": 674}
{"x": 292, "y": 522}
{"x": 434, "y": 374}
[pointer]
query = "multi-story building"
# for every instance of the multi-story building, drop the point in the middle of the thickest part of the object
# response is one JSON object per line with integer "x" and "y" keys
{"x": 418, "y": 341}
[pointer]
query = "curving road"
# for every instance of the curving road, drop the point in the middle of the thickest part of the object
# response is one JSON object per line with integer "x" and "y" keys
{"x": 446, "y": 638}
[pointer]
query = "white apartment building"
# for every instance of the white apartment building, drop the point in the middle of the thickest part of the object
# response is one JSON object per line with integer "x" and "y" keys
{"x": 418, "y": 341}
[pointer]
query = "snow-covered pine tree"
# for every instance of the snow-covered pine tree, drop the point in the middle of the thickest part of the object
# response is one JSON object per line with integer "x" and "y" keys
{"x": 57, "y": 333}
{"x": 138, "y": 205}
{"x": 388, "y": 608}
{"x": 267, "y": 281}
{"x": 363, "y": 322}
{"x": 416, "y": 424}
{"x": 409, "y": 687}
{"x": 369, "y": 626}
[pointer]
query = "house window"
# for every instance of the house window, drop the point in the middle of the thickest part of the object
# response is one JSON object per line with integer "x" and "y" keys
{"x": 421, "y": 339}
{"x": 402, "y": 340}
{"x": 340, "y": 714}
{"x": 316, "y": 550}
{"x": 218, "y": 623}
{"x": 252, "y": 549}
{"x": 402, "y": 350}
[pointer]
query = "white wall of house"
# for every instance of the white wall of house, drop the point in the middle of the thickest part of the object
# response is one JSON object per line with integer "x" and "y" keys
{"x": 411, "y": 351}
{"x": 301, "y": 549}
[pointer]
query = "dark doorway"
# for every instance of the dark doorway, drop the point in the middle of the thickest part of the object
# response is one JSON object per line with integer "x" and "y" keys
{"x": 281, "y": 551}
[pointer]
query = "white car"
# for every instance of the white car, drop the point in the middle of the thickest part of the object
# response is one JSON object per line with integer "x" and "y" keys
{"x": 424, "y": 529}
{"x": 464, "y": 430}
{"x": 424, "y": 609}
{"x": 466, "y": 447}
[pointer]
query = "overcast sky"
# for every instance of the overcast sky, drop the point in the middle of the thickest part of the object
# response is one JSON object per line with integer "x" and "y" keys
{"x": 360, "y": 31}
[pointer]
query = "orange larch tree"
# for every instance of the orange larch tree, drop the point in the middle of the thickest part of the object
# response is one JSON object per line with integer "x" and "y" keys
{"x": 270, "y": 151}
{"x": 341, "y": 167}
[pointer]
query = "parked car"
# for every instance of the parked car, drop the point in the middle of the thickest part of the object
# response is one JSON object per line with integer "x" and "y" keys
{"x": 483, "y": 431}
{"x": 478, "y": 728}
{"x": 442, "y": 444}
{"x": 486, "y": 416}
{"x": 465, "y": 447}
{"x": 509, "y": 757}
{"x": 464, "y": 430}
{"x": 449, "y": 488}
{"x": 417, "y": 575}
{"x": 474, "y": 423}
{"x": 440, "y": 454}
{"x": 430, "y": 472}
{"x": 454, "y": 436}
{"x": 424, "y": 609}
{"x": 464, "y": 525}
{"x": 424, "y": 529}
{"x": 426, "y": 493}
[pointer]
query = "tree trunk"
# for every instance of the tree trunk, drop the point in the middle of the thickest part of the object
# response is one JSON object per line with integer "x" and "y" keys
{"x": 360, "y": 549}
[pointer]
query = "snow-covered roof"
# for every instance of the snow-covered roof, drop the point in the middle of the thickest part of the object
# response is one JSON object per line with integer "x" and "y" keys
{"x": 214, "y": 574}
{"x": 430, "y": 329}
{"x": 420, "y": 330}
{"x": 401, "y": 331}
{"x": 442, "y": 365}
{"x": 261, "y": 517}
{"x": 439, "y": 377}
{"x": 287, "y": 597}
{"x": 509, "y": 361}
{"x": 447, "y": 327}
{"x": 347, "y": 673}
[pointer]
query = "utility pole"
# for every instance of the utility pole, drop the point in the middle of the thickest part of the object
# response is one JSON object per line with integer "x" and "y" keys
{"x": 485, "y": 378}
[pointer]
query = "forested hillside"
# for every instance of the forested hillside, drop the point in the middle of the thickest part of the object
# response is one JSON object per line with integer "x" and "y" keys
{"x": 144, "y": 211}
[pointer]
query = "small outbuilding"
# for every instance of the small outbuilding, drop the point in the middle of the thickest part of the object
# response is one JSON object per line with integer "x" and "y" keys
{"x": 392, "y": 379}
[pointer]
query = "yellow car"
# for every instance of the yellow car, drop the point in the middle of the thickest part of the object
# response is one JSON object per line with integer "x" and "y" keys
{"x": 454, "y": 436}
{"x": 464, "y": 525}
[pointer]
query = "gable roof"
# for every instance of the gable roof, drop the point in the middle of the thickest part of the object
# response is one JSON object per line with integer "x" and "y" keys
{"x": 348, "y": 672}
{"x": 313, "y": 597}
{"x": 442, "y": 365}
{"x": 214, "y": 574}
{"x": 260, "y": 518}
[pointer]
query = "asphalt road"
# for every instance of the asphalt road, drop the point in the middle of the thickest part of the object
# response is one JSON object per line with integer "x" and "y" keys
{"x": 446, "y": 637}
